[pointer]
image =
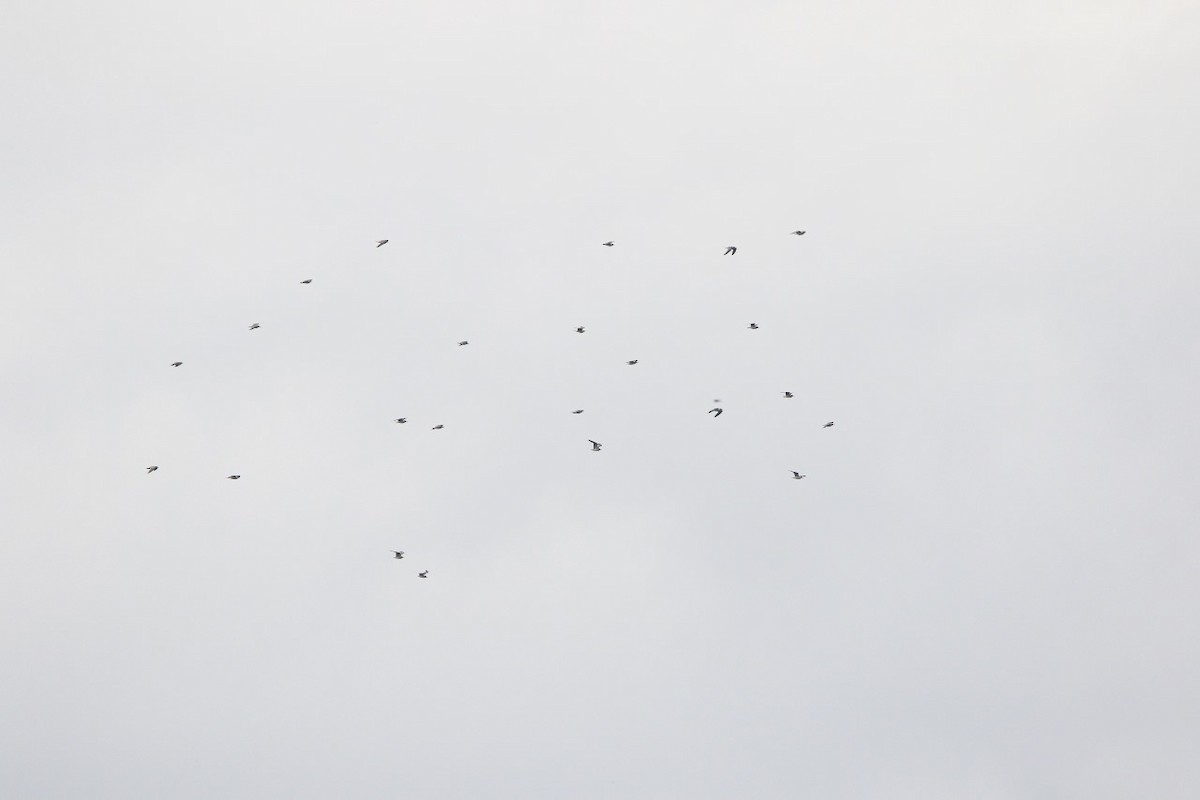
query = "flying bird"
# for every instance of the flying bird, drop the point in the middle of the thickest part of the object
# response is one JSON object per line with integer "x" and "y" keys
{"x": 731, "y": 250}
{"x": 176, "y": 363}
{"x": 150, "y": 469}
{"x": 827, "y": 425}
{"x": 608, "y": 244}
{"x": 437, "y": 427}
{"x": 595, "y": 446}
{"x": 631, "y": 363}
{"x": 797, "y": 233}
{"x": 463, "y": 342}
{"x": 424, "y": 574}
{"x": 753, "y": 326}
{"x": 788, "y": 394}
{"x": 719, "y": 411}
{"x": 577, "y": 411}
{"x": 307, "y": 281}
{"x": 255, "y": 325}
{"x": 797, "y": 475}
{"x": 402, "y": 420}
{"x": 380, "y": 243}
{"x": 579, "y": 329}
{"x": 398, "y": 553}
{"x": 232, "y": 477}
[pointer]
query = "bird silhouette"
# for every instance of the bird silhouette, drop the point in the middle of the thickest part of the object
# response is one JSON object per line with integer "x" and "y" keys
{"x": 150, "y": 469}
{"x": 380, "y": 243}
{"x": 398, "y": 553}
{"x": 797, "y": 233}
{"x": 579, "y": 329}
{"x": 232, "y": 477}
{"x": 255, "y": 325}
{"x": 437, "y": 427}
{"x": 595, "y": 445}
{"x": 463, "y": 342}
{"x": 753, "y": 326}
{"x": 608, "y": 244}
{"x": 176, "y": 363}
{"x": 402, "y": 420}
{"x": 797, "y": 475}
{"x": 631, "y": 363}
{"x": 577, "y": 411}
{"x": 731, "y": 250}
{"x": 788, "y": 394}
{"x": 719, "y": 411}
{"x": 424, "y": 574}
{"x": 827, "y": 425}
{"x": 307, "y": 281}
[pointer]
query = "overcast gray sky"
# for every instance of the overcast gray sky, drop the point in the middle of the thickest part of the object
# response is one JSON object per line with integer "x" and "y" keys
{"x": 985, "y": 587}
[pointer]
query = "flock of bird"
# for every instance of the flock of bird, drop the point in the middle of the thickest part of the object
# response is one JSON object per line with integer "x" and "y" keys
{"x": 596, "y": 446}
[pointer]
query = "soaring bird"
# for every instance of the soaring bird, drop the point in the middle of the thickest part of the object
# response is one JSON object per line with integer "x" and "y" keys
{"x": 233, "y": 477}
{"x": 797, "y": 233}
{"x": 150, "y": 469}
{"x": 788, "y": 394}
{"x": 797, "y": 475}
{"x": 424, "y": 574}
{"x": 579, "y": 329}
{"x": 176, "y": 363}
{"x": 827, "y": 425}
{"x": 577, "y": 411}
{"x": 631, "y": 363}
{"x": 719, "y": 411}
{"x": 255, "y": 325}
{"x": 402, "y": 420}
{"x": 608, "y": 244}
{"x": 307, "y": 281}
{"x": 398, "y": 553}
{"x": 437, "y": 427}
{"x": 464, "y": 341}
{"x": 595, "y": 445}
{"x": 380, "y": 243}
{"x": 731, "y": 250}
{"x": 753, "y": 326}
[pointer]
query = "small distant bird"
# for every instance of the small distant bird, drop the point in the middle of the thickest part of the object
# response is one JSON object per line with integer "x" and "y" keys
{"x": 797, "y": 475}
{"x": 797, "y": 233}
{"x": 424, "y": 574}
{"x": 402, "y": 420}
{"x": 398, "y": 553}
{"x": 437, "y": 427}
{"x": 608, "y": 244}
{"x": 380, "y": 243}
{"x": 788, "y": 394}
{"x": 595, "y": 446}
{"x": 730, "y": 250}
{"x": 233, "y": 477}
{"x": 150, "y": 469}
{"x": 464, "y": 341}
{"x": 719, "y": 412}
{"x": 307, "y": 281}
{"x": 753, "y": 326}
{"x": 827, "y": 425}
{"x": 579, "y": 329}
{"x": 255, "y": 325}
{"x": 176, "y": 363}
{"x": 577, "y": 411}
{"x": 631, "y": 363}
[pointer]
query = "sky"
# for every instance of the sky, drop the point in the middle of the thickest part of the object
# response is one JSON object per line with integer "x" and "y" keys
{"x": 984, "y": 588}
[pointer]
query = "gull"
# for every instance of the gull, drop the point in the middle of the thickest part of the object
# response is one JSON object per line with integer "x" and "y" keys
{"x": 399, "y": 553}
{"x": 827, "y": 425}
{"x": 631, "y": 363}
{"x": 402, "y": 420}
{"x": 232, "y": 477}
{"x": 729, "y": 251}
{"x": 753, "y": 326}
{"x": 719, "y": 411}
{"x": 797, "y": 475}
{"x": 577, "y": 411}
{"x": 797, "y": 233}
{"x": 307, "y": 281}
{"x": 424, "y": 574}
{"x": 176, "y": 363}
{"x": 788, "y": 394}
{"x": 255, "y": 325}
{"x": 380, "y": 243}
{"x": 579, "y": 329}
{"x": 608, "y": 244}
{"x": 437, "y": 427}
{"x": 150, "y": 469}
{"x": 595, "y": 445}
